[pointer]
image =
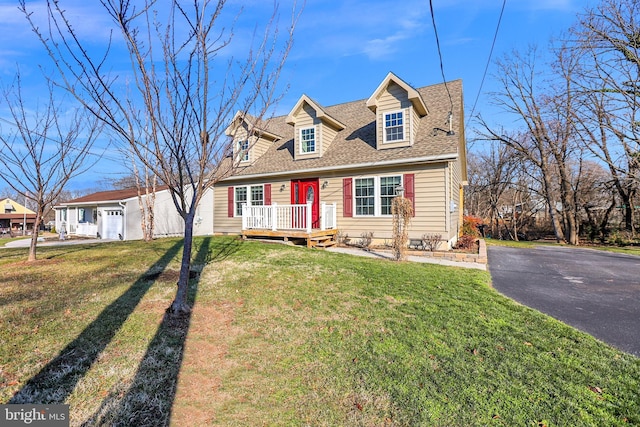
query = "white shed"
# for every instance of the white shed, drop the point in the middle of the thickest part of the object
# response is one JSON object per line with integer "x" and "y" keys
{"x": 115, "y": 215}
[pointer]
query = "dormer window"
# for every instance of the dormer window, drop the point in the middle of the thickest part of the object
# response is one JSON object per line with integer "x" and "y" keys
{"x": 243, "y": 150}
{"x": 308, "y": 140}
{"x": 393, "y": 126}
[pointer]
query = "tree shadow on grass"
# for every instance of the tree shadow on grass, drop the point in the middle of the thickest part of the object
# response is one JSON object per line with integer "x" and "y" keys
{"x": 57, "y": 379}
{"x": 149, "y": 399}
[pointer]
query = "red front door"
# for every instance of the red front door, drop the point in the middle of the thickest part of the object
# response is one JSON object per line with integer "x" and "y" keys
{"x": 307, "y": 191}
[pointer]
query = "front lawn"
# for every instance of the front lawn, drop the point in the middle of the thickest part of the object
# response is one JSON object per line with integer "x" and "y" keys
{"x": 289, "y": 336}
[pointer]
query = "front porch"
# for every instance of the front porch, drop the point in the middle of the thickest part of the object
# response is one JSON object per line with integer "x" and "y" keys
{"x": 291, "y": 223}
{"x": 84, "y": 229}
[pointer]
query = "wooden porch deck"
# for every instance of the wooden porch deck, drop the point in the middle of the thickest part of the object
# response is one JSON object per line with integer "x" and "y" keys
{"x": 314, "y": 239}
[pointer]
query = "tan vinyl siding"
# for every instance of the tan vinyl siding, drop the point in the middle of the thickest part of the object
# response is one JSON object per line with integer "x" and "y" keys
{"x": 225, "y": 225}
{"x": 456, "y": 217}
{"x": 430, "y": 204}
{"x": 394, "y": 99}
{"x": 257, "y": 146}
{"x": 307, "y": 118}
{"x": 222, "y": 223}
{"x": 415, "y": 122}
{"x": 328, "y": 135}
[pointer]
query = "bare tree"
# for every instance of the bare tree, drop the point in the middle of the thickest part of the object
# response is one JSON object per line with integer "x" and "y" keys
{"x": 490, "y": 175}
{"x": 607, "y": 43}
{"x": 42, "y": 151}
{"x": 547, "y": 141}
{"x": 183, "y": 93}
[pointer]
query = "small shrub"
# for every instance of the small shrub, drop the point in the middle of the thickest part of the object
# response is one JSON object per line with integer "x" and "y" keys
{"x": 470, "y": 225}
{"x": 342, "y": 238}
{"x": 431, "y": 241}
{"x": 402, "y": 211}
{"x": 620, "y": 238}
{"x": 366, "y": 239}
{"x": 466, "y": 242}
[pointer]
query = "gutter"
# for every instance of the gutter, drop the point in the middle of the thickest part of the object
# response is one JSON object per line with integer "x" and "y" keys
{"x": 415, "y": 160}
{"x": 124, "y": 219}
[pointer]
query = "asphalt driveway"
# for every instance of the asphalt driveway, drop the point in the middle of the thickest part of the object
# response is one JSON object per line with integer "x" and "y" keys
{"x": 594, "y": 291}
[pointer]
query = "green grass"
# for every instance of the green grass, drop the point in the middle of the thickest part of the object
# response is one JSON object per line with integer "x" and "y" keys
{"x": 290, "y": 336}
{"x": 629, "y": 250}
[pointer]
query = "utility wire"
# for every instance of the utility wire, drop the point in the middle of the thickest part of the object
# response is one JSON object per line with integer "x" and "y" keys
{"x": 435, "y": 30}
{"x": 495, "y": 36}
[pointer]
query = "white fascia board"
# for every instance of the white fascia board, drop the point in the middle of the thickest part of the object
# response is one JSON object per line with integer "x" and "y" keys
{"x": 412, "y": 161}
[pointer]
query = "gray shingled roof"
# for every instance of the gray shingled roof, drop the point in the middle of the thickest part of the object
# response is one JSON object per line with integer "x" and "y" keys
{"x": 110, "y": 196}
{"x": 355, "y": 145}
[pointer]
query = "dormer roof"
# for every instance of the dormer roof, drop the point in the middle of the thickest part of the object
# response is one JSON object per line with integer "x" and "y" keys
{"x": 412, "y": 94}
{"x": 356, "y": 143}
{"x": 320, "y": 113}
{"x": 256, "y": 126}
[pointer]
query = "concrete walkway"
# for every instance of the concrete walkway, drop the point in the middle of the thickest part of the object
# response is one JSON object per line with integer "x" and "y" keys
{"x": 412, "y": 258}
{"x": 24, "y": 243}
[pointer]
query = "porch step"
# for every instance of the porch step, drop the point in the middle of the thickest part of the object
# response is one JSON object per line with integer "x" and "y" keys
{"x": 322, "y": 241}
{"x": 326, "y": 244}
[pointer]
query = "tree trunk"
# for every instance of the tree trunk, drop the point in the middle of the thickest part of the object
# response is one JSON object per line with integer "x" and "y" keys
{"x": 180, "y": 305}
{"x": 555, "y": 222}
{"x": 34, "y": 235}
{"x": 628, "y": 215}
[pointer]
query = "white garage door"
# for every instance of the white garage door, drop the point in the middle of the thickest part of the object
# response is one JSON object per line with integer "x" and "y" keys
{"x": 113, "y": 225}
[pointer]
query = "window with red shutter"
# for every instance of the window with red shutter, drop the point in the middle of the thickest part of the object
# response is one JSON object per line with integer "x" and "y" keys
{"x": 347, "y": 197}
{"x": 267, "y": 194}
{"x": 230, "y": 204}
{"x": 409, "y": 190}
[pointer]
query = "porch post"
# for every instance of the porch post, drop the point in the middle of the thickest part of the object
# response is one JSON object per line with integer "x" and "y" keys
{"x": 274, "y": 217}
{"x": 309, "y": 217}
{"x": 335, "y": 216}
{"x": 244, "y": 216}
{"x": 323, "y": 211}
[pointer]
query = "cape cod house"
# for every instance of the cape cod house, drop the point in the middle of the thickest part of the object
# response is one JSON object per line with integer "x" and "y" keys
{"x": 116, "y": 215}
{"x": 322, "y": 169}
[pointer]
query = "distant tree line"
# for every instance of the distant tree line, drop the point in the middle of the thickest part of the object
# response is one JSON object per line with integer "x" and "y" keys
{"x": 572, "y": 167}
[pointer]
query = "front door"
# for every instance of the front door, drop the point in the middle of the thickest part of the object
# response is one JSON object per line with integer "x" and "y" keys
{"x": 307, "y": 191}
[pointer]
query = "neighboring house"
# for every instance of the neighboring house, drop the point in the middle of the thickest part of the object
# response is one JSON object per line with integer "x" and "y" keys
{"x": 321, "y": 169}
{"x": 116, "y": 215}
{"x": 13, "y": 217}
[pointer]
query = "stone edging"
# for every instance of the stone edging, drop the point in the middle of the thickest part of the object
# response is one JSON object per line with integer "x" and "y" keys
{"x": 480, "y": 257}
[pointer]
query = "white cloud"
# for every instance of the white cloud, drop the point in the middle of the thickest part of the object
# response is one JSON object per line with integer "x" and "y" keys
{"x": 354, "y": 27}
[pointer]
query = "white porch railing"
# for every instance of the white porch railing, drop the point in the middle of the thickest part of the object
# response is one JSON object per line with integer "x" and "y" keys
{"x": 86, "y": 229}
{"x": 287, "y": 217}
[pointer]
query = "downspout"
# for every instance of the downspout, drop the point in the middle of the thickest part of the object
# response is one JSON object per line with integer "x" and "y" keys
{"x": 447, "y": 202}
{"x": 124, "y": 222}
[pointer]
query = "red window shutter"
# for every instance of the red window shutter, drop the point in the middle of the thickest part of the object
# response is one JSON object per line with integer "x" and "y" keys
{"x": 267, "y": 194}
{"x": 409, "y": 190}
{"x": 347, "y": 197}
{"x": 230, "y": 204}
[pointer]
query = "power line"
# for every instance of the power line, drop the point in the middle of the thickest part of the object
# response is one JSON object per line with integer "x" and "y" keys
{"x": 435, "y": 30}
{"x": 495, "y": 36}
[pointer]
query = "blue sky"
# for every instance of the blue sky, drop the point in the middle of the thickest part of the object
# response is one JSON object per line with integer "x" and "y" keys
{"x": 343, "y": 49}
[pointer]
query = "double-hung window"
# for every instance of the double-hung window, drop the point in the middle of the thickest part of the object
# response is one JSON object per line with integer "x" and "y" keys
{"x": 308, "y": 140}
{"x": 388, "y": 185}
{"x": 393, "y": 126}
{"x": 365, "y": 196}
{"x": 373, "y": 195}
{"x": 252, "y": 195}
{"x": 243, "y": 151}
